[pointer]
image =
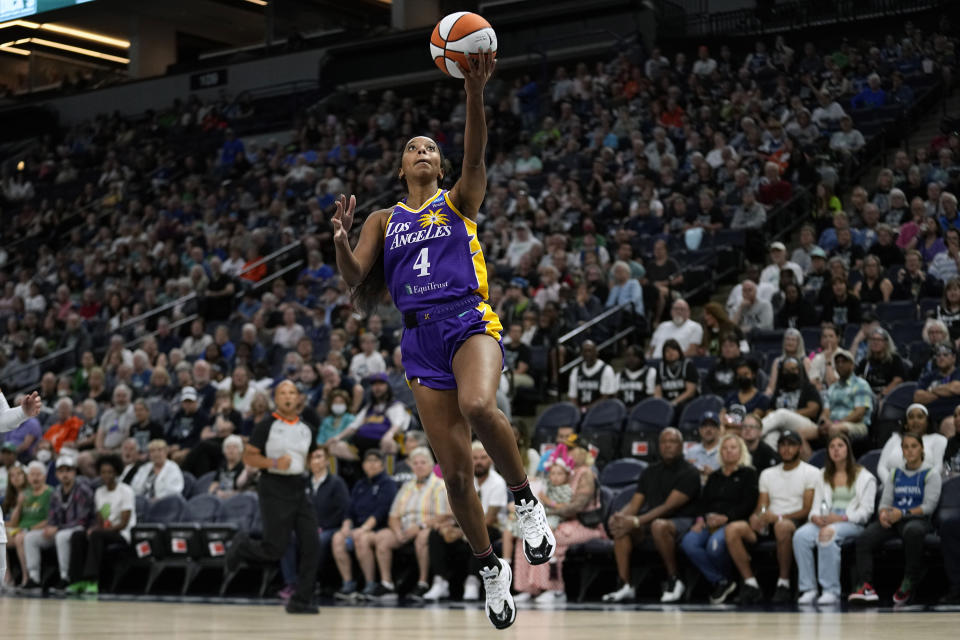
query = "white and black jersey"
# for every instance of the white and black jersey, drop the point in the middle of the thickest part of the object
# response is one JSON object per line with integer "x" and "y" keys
{"x": 674, "y": 376}
{"x": 276, "y": 437}
{"x": 587, "y": 384}
{"x": 634, "y": 386}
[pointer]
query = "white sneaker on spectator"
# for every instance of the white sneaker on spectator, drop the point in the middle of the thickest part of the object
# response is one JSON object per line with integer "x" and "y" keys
{"x": 471, "y": 589}
{"x": 673, "y": 590}
{"x": 523, "y": 597}
{"x": 538, "y": 541}
{"x": 623, "y": 594}
{"x": 500, "y": 607}
{"x": 807, "y": 597}
{"x": 551, "y": 597}
{"x": 439, "y": 590}
{"x": 827, "y": 599}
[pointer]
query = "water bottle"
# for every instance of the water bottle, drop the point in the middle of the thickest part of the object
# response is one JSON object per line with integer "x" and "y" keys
{"x": 766, "y": 527}
{"x": 824, "y": 508}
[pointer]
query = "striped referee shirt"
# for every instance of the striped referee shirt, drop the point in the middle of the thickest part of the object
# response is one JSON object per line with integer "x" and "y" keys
{"x": 276, "y": 437}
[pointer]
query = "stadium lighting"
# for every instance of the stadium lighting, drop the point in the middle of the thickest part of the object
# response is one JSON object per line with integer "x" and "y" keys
{"x": 70, "y": 31}
{"x": 262, "y": 3}
{"x": 80, "y": 50}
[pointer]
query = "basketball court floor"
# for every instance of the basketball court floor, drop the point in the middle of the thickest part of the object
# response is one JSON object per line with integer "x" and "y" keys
{"x": 37, "y": 619}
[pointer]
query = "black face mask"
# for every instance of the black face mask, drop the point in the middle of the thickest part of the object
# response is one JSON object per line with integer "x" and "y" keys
{"x": 744, "y": 383}
{"x": 791, "y": 380}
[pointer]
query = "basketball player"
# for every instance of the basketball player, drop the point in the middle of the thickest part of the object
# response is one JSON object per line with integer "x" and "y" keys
{"x": 10, "y": 419}
{"x": 426, "y": 252}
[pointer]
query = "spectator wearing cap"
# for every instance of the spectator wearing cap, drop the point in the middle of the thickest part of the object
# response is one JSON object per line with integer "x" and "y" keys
{"x": 754, "y": 312}
{"x": 818, "y": 274}
{"x": 160, "y": 477}
{"x": 514, "y": 302}
{"x": 687, "y": 333}
{"x": 185, "y": 426}
{"x": 785, "y": 499}
{"x": 705, "y": 455}
{"x": 844, "y": 499}
{"x": 377, "y": 423}
{"x": 848, "y": 402}
{"x": 71, "y": 512}
{"x": 730, "y": 494}
{"x": 370, "y": 501}
{"x": 594, "y": 380}
{"x": 663, "y": 507}
{"x": 778, "y": 262}
{"x": 906, "y": 507}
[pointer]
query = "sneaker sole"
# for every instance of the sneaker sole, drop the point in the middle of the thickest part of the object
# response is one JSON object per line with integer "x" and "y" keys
{"x": 726, "y": 594}
{"x": 509, "y": 604}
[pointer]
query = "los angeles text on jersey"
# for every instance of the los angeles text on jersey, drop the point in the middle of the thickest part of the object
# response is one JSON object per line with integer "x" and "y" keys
{"x": 401, "y": 238}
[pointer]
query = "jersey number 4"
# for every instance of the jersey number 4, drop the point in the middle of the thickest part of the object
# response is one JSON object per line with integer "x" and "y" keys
{"x": 422, "y": 263}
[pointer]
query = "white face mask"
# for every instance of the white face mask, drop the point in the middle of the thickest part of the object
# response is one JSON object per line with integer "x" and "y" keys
{"x": 338, "y": 409}
{"x": 43, "y": 456}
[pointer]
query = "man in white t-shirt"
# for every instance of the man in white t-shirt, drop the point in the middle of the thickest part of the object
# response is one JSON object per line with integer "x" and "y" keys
{"x": 680, "y": 327}
{"x": 116, "y": 514}
{"x": 779, "y": 261}
{"x": 786, "y": 496}
{"x": 369, "y": 361}
{"x": 594, "y": 380}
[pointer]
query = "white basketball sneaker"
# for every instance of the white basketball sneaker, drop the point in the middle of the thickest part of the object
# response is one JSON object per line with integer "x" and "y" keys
{"x": 500, "y": 608}
{"x": 538, "y": 541}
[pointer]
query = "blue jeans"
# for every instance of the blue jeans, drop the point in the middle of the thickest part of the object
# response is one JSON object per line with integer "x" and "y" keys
{"x": 708, "y": 553}
{"x": 288, "y": 563}
{"x": 828, "y": 561}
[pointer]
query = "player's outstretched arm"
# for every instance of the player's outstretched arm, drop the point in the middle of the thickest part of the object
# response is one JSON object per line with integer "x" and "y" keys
{"x": 355, "y": 263}
{"x": 467, "y": 195}
{"x": 12, "y": 417}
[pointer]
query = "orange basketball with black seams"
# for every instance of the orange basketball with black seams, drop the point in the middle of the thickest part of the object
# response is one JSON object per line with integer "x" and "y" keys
{"x": 458, "y": 35}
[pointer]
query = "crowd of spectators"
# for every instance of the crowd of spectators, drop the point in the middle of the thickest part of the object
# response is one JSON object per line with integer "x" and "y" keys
{"x": 597, "y": 182}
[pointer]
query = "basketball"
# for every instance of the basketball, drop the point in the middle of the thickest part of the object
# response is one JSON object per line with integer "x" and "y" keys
{"x": 458, "y": 35}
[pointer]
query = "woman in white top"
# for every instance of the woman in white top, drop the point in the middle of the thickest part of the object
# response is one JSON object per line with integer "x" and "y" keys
{"x": 159, "y": 479}
{"x": 843, "y": 502}
{"x": 10, "y": 419}
{"x": 917, "y": 423}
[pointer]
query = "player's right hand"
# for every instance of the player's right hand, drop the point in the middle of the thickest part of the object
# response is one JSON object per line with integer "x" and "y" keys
{"x": 283, "y": 462}
{"x": 343, "y": 218}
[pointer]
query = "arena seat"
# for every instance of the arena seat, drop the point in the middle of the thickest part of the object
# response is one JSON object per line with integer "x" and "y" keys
{"x": 690, "y": 418}
{"x": 645, "y": 422}
{"x": 622, "y": 473}
{"x": 558, "y": 415}
{"x": 602, "y": 426}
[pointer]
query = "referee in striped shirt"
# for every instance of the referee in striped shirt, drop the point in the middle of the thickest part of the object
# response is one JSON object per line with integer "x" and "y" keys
{"x": 280, "y": 445}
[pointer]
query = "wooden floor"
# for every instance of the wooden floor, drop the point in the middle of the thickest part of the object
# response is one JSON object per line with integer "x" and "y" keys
{"x": 35, "y": 619}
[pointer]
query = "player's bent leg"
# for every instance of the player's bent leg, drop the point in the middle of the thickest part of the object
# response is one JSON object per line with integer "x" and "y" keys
{"x": 449, "y": 436}
{"x": 476, "y": 367}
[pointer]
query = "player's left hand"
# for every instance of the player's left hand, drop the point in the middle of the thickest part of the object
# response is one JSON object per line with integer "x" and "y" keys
{"x": 31, "y": 404}
{"x": 478, "y": 70}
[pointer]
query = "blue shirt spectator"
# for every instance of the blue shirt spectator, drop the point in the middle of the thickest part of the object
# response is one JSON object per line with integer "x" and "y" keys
{"x": 625, "y": 289}
{"x": 231, "y": 147}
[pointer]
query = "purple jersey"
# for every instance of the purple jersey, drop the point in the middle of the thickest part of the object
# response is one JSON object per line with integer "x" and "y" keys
{"x": 432, "y": 256}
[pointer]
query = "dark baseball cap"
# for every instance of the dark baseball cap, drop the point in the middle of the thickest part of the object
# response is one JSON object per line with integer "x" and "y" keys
{"x": 710, "y": 416}
{"x": 373, "y": 453}
{"x": 790, "y": 436}
{"x": 377, "y": 377}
